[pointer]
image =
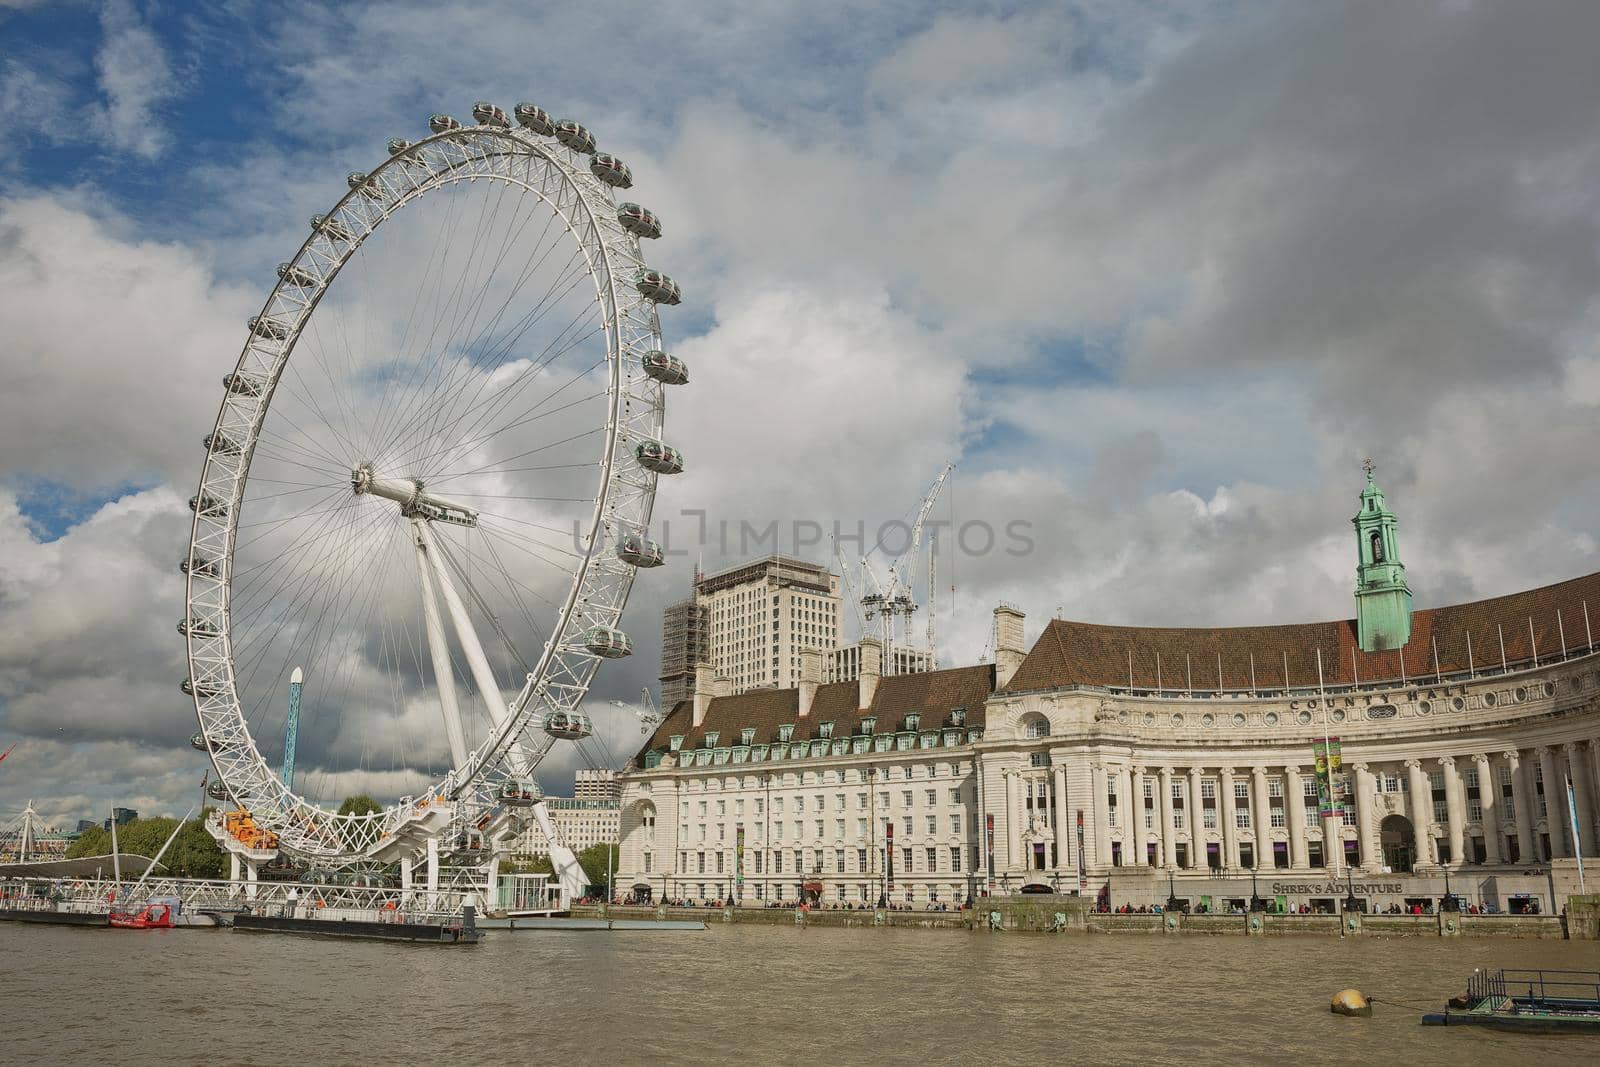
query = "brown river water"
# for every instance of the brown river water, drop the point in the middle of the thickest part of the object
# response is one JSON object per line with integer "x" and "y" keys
{"x": 751, "y": 994}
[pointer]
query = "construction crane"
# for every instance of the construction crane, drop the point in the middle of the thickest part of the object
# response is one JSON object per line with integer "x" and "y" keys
{"x": 649, "y": 714}
{"x": 292, "y": 731}
{"x": 894, "y": 596}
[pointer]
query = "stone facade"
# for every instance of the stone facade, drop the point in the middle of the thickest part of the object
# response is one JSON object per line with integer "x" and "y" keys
{"x": 1138, "y": 764}
{"x": 1455, "y": 779}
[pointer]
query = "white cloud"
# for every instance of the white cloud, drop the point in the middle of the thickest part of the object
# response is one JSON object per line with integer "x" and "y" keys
{"x": 134, "y": 79}
{"x": 114, "y": 348}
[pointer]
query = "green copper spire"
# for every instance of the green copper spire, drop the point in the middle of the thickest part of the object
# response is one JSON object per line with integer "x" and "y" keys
{"x": 1383, "y": 600}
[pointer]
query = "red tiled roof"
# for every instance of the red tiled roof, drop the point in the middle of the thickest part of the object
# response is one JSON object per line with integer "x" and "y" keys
{"x": 1543, "y": 620}
{"x": 932, "y": 695}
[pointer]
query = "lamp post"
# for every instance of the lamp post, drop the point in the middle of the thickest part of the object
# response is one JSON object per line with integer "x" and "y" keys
{"x": 1450, "y": 902}
{"x": 1172, "y": 892}
{"x": 971, "y": 884}
{"x": 1350, "y": 901}
{"x": 1256, "y": 902}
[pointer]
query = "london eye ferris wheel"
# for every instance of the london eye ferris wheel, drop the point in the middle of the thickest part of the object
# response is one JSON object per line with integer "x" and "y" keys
{"x": 429, "y": 483}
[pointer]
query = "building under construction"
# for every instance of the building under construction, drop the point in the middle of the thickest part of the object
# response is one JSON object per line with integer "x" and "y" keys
{"x": 685, "y": 641}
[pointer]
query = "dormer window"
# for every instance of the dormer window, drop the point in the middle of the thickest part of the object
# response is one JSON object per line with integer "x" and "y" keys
{"x": 786, "y": 732}
{"x": 711, "y": 738}
{"x": 747, "y": 735}
{"x": 958, "y": 716}
{"x": 675, "y": 742}
{"x": 913, "y": 721}
{"x": 869, "y": 724}
{"x": 825, "y": 729}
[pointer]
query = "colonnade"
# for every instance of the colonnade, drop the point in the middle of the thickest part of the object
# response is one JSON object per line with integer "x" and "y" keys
{"x": 1534, "y": 773}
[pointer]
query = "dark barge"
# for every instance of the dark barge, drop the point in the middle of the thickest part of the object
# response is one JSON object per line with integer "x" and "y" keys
{"x": 464, "y": 932}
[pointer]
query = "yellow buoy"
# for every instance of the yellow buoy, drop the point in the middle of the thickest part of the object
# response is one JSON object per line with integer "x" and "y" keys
{"x": 1351, "y": 1002}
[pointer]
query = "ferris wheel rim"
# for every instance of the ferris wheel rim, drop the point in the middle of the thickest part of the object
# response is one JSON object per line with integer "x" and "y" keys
{"x": 234, "y": 752}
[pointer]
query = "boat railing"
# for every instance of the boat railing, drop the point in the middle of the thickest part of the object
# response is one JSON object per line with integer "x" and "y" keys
{"x": 1536, "y": 986}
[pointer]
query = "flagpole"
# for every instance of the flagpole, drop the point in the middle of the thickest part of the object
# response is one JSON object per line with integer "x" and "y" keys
{"x": 1327, "y": 763}
{"x": 116, "y": 858}
{"x": 1577, "y": 839}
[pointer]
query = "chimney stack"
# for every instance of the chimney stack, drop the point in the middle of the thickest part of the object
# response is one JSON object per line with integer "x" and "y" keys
{"x": 871, "y": 670}
{"x": 1009, "y": 644}
{"x": 722, "y": 686}
{"x": 703, "y": 675}
{"x": 810, "y": 678}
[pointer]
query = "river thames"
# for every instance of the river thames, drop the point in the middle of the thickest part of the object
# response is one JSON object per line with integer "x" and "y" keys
{"x": 750, "y": 994}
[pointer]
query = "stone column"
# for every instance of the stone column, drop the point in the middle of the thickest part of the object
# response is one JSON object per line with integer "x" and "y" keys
{"x": 1367, "y": 817}
{"x": 1136, "y": 791}
{"x": 1230, "y": 832}
{"x": 1489, "y": 801}
{"x": 1261, "y": 817}
{"x": 1421, "y": 812}
{"x": 1455, "y": 806}
{"x": 1581, "y": 797}
{"x": 1555, "y": 803}
{"x": 1295, "y": 814}
{"x": 1102, "y": 835}
{"x": 1197, "y": 830}
{"x": 1130, "y": 835}
{"x": 1169, "y": 833}
{"x": 1062, "y": 820}
{"x": 1522, "y": 800}
{"x": 1013, "y": 820}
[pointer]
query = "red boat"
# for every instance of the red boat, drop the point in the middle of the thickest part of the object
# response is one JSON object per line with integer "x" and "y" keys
{"x": 155, "y": 916}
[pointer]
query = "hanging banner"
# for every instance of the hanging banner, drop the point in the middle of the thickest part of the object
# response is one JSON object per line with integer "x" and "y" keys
{"x": 988, "y": 844}
{"x": 1328, "y": 763}
{"x": 1083, "y": 874}
{"x": 738, "y": 856}
{"x": 888, "y": 853}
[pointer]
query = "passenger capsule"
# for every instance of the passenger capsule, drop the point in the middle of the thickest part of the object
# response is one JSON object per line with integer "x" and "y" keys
{"x": 198, "y": 565}
{"x": 489, "y": 115}
{"x": 520, "y": 792}
{"x": 639, "y": 221}
{"x": 443, "y": 124}
{"x": 205, "y": 504}
{"x": 198, "y": 628}
{"x": 397, "y": 145}
{"x": 271, "y": 329}
{"x": 568, "y": 725}
{"x": 640, "y": 551}
{"x": 654, "y": 285}
{"x": 198, "y": 742}
{"x": 534, "y": 118}
{"x": 222, "y": 443}
{"x": 655, "y": 456}
{"x": 332, "y": 227}
{"x": 607, "y": 642}
{"x": 665, "y": 368}
{"x": 574, "y": 136}
{"x": 217, "y": 790}
{"x": 298, "y": 276}
{"x": 241, "y": 384}
{"x": 356, "y": 180}
{"x": 611, "y": 170}
{"x": 205, "y": 689}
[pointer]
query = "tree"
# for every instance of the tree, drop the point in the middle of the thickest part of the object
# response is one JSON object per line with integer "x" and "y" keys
{"x": 360, "y": 804}
{"x": 598, "y": 862}
{"x": 194, "y": 853}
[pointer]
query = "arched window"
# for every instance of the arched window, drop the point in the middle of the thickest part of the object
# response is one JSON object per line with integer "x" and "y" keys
{"x": 1037, "y": 726}
{"x": 1377, "y": 546}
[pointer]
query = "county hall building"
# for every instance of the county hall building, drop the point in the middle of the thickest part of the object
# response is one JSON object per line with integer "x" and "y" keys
{"x": 1138, "y": 764}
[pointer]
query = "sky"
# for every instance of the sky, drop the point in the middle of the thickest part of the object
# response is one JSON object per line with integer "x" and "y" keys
{"x": 1156, "y": 278}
